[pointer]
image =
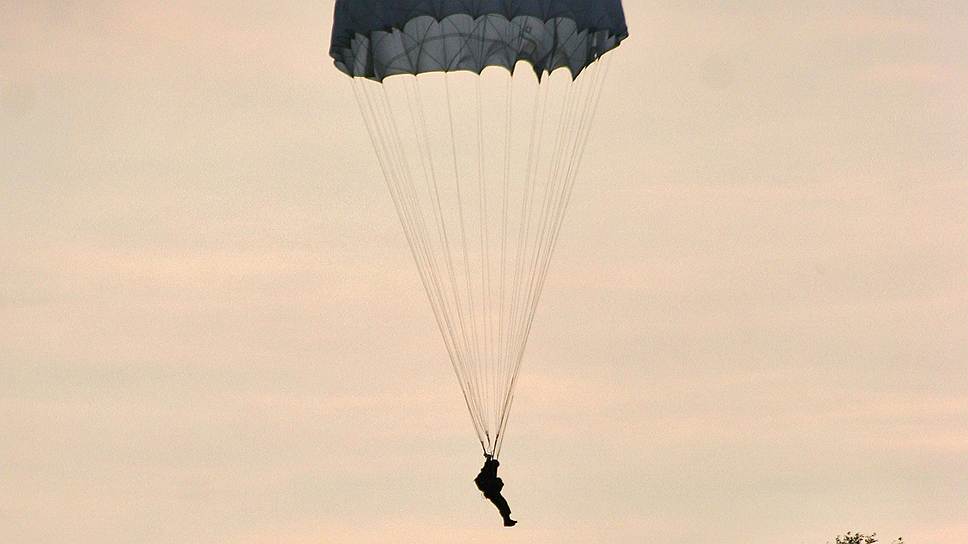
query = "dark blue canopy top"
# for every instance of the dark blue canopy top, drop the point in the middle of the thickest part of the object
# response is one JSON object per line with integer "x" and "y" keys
{"x": 379, "y": 38}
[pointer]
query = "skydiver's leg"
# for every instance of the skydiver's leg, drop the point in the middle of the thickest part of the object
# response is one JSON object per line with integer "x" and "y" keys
{"x": 501, "y": 504}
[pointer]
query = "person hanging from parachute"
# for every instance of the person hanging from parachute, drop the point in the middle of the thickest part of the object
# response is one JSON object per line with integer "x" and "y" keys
{"x": 480, "y": 157}
{"x": 491, "y": 485}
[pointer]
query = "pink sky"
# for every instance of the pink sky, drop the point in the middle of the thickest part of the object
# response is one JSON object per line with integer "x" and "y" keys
{"x": 755, "y": 328}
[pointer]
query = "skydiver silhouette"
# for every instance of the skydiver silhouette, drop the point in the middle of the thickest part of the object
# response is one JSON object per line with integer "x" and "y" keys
{"x": 489, "y": 484}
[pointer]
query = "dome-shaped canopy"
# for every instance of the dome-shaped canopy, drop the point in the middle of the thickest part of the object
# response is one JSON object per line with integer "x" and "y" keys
{"x": 380, "y": 38}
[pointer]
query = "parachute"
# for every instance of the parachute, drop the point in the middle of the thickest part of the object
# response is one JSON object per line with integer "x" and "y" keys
{"x": 479, "y": 112}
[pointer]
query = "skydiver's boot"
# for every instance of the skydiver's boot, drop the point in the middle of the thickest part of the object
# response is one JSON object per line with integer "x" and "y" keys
{"x": 508, "y": 522}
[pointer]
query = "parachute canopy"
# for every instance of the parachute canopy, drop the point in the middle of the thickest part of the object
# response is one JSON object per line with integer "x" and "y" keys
{"x": 380, "y": 38}
{"x": 480, "y": 160}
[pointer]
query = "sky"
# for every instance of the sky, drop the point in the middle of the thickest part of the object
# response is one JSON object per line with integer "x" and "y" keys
{"x": 755, "y": 328}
